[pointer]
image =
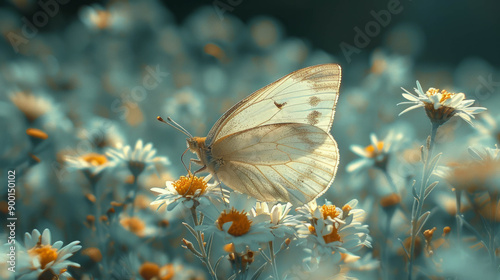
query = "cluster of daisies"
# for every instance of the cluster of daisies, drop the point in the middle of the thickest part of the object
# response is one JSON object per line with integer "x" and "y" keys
{"x": 77, "y": 99}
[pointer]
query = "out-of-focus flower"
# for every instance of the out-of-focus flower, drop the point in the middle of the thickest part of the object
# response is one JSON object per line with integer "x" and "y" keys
{"x": 36, "y": 136}
{"x": 324, "y": 267}
{"x": 189, "y": 191}
{"x": 150, "y": 271}
{"x": 376, "y": 154}
{"x": 40, "y": 259}
{"x": 240, "y": 225}
{"x": 96, "y": 17}
{"x": 331, "y": 229}
{"x": 489, "y": 127}
{"x": 138, "y": 159}
{"x": 488, "y": 154}
{"x": 101, "y": 133}
{"x": 265, "y": 32}
{"x": 440, "y": 106}
{"x": 282, "y": 224}
{"x": 186, "y": 104}
{"x": 32, "y": 106}
{"x": 137, "y": 226}
{"x": 91, "y": 164}
{"x": 155, "y": 267}
{"x": 388, "y": 70}
{"x": 482, "y": 173}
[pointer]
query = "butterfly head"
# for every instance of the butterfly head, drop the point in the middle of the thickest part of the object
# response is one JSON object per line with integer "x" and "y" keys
{"x": 195, "y": 144}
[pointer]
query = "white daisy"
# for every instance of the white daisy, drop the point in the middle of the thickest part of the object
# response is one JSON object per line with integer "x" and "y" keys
{"x": 488, "y": 127}
{"x": 480, "y": 174}
{"x": 96, "y": 17}
{"x": 440, "y": 106}
{"x": 101, "y": 133}
{"x": 330, "y": 229}
{"x": 240, "y": 225}
{"x": 91, "y": 164}
{"x": 188, "y": 191}
{"x": 376, "y": 154}
{"x": 488, "y": 154}
{"x": 138, "y": 159}
{"x": 282, "y": 224}
{"x": 326, "y": 267}
{"x": 40, "y": 257}
{"x": 31, "y": 105}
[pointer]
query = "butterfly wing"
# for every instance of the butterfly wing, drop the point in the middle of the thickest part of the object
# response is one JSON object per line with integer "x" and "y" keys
{"x": 307, "y": 96}
{"x": 285, "y": 162}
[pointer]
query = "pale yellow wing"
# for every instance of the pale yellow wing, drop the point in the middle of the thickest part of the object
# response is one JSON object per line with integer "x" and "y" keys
{"x": 278, "y": 162}
{"x": 307, "y": 96}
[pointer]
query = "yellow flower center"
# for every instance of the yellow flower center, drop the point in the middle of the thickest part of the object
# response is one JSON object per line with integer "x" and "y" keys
{"x": 329, "y": 238}
{"x": 372, "y": 151}
{"x": 36, "y": 133}
{"x": 134, "y": 225}
{"x": 167, "y": 272}
{"x": 432, "y": 91}
{"x": 95, "y": 159}
{"x": 390, "y": 200}
{"x": 213, "y": 50}
{"x": 241, "y": 223}
{"x": 445, "y": 94}
{"x": 45, "y": 254}
{"x": 332, "y": 212}
{"x": 101, "y": 19}
{"x": 149, "y": 270}
{"x": 187, "y": 186}
{"x": 329, "y": 211}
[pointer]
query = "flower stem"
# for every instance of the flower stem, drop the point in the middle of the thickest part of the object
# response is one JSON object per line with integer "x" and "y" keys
{"x": 100, "y": 235}
{"x": 131, "y": 198}
{"x": 458, "y": 194}
{"x": 493, "y": 224}
{"x": 426, "y": 174}
{"x": 273, "y": 261}
{"x": 391, "y": 182}
{"x": 385, "y": 264}
{"x": 205, "y": 257}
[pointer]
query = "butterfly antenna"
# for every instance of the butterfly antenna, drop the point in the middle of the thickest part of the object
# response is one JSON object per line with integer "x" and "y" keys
{"x": 175, "y": 125}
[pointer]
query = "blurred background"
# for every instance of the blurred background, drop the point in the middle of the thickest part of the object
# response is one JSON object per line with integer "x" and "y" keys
{"x": 93, "y": 76}
{"x": 452, "y": 32}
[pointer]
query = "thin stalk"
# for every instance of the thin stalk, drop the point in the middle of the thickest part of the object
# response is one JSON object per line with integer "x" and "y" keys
{"x": 420, "y": 202}
{"x": 458, "y": 194}
{"x": 493, "y": 202}
{"x": 385, "y": 265}
{"x": 101, "y": 240}
{"x": 205, "y": 257}
{"x": 273, "y": 261}
{"x": 131, "y": 198}
{"x": 391, "y": 182}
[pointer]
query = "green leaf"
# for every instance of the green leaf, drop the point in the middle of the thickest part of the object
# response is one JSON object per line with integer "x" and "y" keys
{"x": 429, "y": 189}
{"x": 191, "y": 229}
{"x": 258, "y": 272}
{"x": 422, "y": 220}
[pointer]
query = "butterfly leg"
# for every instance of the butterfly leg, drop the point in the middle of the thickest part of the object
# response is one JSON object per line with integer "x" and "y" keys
{"x": 221, "y": 192}
{"x": 197, "y": 171}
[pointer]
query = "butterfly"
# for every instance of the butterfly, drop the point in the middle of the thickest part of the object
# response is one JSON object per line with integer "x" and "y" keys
{"x": 275, "y": 145}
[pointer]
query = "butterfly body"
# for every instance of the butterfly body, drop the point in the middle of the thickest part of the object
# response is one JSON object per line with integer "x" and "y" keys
{"x": 197, "y": 146}
{"x": 275, "y": 145}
